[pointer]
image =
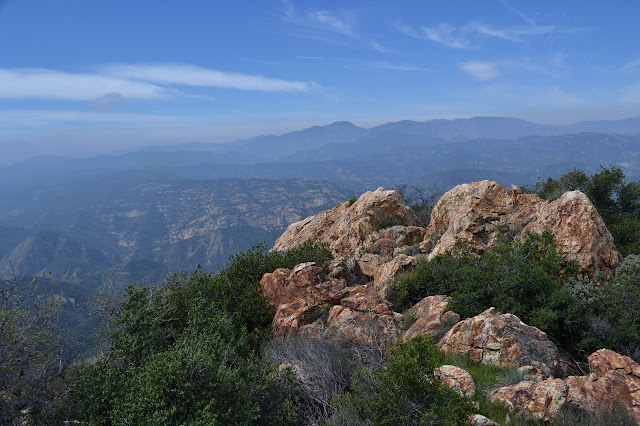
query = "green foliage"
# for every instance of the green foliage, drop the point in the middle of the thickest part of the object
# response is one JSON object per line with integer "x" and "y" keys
{"x": 404, "y": 393}
{"x": 33, "y": 352}
{"x": 190, "y": 352}
{"x": 524, "y": 278}
{"x": 353, "y": 200}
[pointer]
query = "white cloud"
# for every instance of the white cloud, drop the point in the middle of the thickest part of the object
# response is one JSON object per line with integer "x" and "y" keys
{"x": 445, "y": 34}
{"x": 395, "y": 67}
{"x": 631, "y": 65}
{"x": 380, "y": 48}
{"x": 52, "y": 84}
{"x": 191, "y": 75}
{"x": 480, "y": 70}
{"x": 462, "y": 37}
{"x": 108, "y": 102}
{"x": 331, "y": 22}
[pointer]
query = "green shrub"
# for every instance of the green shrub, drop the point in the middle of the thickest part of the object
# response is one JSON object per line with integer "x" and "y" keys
{"x": 525, "y": 279}
{"x": 404, "y": 392}
{"x": 190, "y": 352}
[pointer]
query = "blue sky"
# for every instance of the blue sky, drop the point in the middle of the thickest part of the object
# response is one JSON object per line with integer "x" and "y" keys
{"x": 89, "y": 75}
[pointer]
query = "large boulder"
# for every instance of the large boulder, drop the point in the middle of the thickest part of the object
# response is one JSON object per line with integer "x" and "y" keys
{"x": 477, "y": 212}
{"x": 535, "y": 400}
{"x": 305, "y": 301}
{"x": 502, "y": 339}
{"x": 347, "y": 226}
{"x": 431, "y": 315}
{"x": 579, "y": 232}
{"x": 614, "y": 379}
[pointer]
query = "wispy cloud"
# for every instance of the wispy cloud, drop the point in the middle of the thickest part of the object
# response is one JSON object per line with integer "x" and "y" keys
{"x": 52, "y": 84}
{"x": 380, "y": 48}
{"x": 330, "y": 21}
{"x": 480, "y": 70}
{"x": 463, "y": 36}
{"x": 396, "y": 67}
{"x": 517, "y": 12}
{"x": 112, "y": 84}
{"x": 631, "y": 65}
{"x": 329, "y": 26}
{"x": 191, "y": 75}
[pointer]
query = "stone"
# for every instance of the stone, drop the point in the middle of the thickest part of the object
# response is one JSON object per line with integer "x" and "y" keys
{"x": 579, "y": 232}
{"x": 457, "y": 379}
{"x": 431, "y": 314}
{"x": 480, "y": 420}
{"x": 535, "y": 400}
{"x": 386, "y": 274}
{"x": 346, "y": 226}
{"x": 476, "y": 212}
{"x": 356, "y": 326}
{"x": 613, "y": 378}
{"x": 502, "y": 339}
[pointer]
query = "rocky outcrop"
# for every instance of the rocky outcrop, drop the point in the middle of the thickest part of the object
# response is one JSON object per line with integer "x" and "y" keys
{"x": 457, "y": 379}
{"x": 579, "y": 232}
{"x": 502, "y": 339}
{"x": 347, "y": 226}
{"x": 614, "y": 379}
{"x": 477, "y": 212}
{"x": 306, "y": 301}
{"x": 535, "y": 400}
{"x": 431, "y": 315}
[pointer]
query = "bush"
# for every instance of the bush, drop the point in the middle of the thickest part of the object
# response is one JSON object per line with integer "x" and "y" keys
{"x": 404, "y": 392}
{"x": 190, "y": 352}
{"x": 525, "y": 279}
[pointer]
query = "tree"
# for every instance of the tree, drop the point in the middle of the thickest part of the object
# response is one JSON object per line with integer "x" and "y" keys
{"x": 33, "y": 353}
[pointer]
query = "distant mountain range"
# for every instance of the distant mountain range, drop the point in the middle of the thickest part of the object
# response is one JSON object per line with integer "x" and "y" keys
{"x": 136, "y": 216}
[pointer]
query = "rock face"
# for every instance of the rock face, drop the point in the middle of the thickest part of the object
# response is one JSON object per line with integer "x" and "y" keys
{"x": 346, "y": 226}
{"x": 431, "y": 314}
{"x": 502, "y": 339}
{"x": 535, "y": 400}
{"x": 457, "y": 379}
{"x": 579, "y": 232}
{"x": 306, "y": 301}
{"x": 475, "y": 212}
{"x": 614, "y": 378}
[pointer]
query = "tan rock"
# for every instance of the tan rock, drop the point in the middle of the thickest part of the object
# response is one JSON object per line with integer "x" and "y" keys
{"x": 431, "y": 313}
{"x": 614, "y": 378}
{"x": 457, "y": 379}
{"x": 388, "y": 272}
{"x": 535, "y": 400}
{"x": 502, "y": 339}
{"x": 475, "y": 212}
{"x": 362, "y": 327}
{"x": 306, "y": 281}
{"x": 579, "y": 232}
{"x": 480, "y": 420}
{"x": 345, "y": 227}
{"x": 371, "y": 263}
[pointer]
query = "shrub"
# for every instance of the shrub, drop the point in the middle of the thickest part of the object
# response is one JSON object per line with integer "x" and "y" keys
{"x": 404, "y": 392}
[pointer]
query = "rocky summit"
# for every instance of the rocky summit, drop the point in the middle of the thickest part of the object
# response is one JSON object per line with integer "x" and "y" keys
{"x": 376, "y": 238}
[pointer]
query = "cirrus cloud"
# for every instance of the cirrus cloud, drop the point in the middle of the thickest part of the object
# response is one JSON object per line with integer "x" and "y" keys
{"x": 480, "y": 70}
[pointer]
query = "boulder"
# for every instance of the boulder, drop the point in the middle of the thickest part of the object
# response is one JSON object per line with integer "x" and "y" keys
{"x": 431, "y": 314}
{"x": 476, "y": 212}
{"x": 306, "y": 281}
{"x": 535, "y": 400}
{"x": 502, "y": 339}
{"x": 579, "y": 232}
{"x": 385, "y": 275}
{"x": 614, "y": 379}
{"x": 457, "y": 379}
{"x": 480, "y": 420}
{"x": 346, "y": 226}
{"x": 365, "y": 326}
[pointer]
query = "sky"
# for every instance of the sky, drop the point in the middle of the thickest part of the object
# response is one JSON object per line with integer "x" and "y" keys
{"x": 82, "y": 76}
